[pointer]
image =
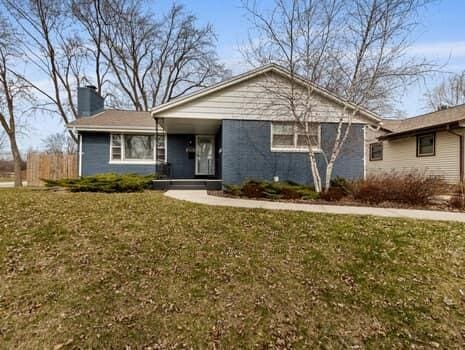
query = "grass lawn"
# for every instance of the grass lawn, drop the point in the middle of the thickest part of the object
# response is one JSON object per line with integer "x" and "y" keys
{"x": 109, "y": 271}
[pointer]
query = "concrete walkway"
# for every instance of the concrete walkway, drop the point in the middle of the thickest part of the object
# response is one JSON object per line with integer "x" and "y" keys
{"x": 202, "y": 197}
{"x": 10, "y": 184}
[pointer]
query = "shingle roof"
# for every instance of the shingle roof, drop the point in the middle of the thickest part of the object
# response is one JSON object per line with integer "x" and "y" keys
{"x": 115, "y": 119}
{"x": 425, "y": 121}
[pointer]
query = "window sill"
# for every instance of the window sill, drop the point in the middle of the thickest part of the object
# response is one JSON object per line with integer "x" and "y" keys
{"x": 295, "y": 150}
{"x": 134, "y": 162}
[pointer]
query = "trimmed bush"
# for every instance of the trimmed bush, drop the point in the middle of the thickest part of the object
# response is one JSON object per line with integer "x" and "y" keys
{"x": 272, "y": 190}
{"x": 108, "y": 183}
{"x": 233, "y": 190}
{"x": 408, "y": 188}
{"x": 254, "y": 189}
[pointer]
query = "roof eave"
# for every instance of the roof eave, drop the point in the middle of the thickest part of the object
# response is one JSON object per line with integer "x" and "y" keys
{"x": 426, "y": 129}
{"x": 109, "y": 128}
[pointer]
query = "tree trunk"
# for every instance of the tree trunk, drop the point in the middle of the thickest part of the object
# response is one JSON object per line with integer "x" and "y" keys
{"x": 315, "y": 172}
{"x": 17, "y": 160}
{"x": 329, "y": 174}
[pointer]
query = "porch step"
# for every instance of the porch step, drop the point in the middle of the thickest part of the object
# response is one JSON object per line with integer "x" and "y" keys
{"x": 187, "y": 184}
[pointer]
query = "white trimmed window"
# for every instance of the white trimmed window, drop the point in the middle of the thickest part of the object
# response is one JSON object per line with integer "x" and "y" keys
{"x": 290, "y": 136}
{"x": 376, "y": 151}
{"x": 137, "y": 148}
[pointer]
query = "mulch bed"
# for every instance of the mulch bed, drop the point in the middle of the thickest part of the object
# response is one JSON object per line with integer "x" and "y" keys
{"x": 442, "y": 206}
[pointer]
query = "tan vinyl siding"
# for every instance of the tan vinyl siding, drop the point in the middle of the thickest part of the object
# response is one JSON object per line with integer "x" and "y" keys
{"x": 400, "y": 155}
{"x": 254, "y": 99}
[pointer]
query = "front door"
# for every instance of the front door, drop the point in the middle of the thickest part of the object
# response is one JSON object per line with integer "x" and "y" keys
{"x": 204, "y": 155}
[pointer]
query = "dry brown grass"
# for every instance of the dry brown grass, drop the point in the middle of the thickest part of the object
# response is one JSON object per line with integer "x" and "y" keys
{"x": 109, "y": 271}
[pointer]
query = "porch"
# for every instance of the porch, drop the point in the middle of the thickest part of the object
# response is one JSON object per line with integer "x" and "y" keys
{"x": 193, "y": 154}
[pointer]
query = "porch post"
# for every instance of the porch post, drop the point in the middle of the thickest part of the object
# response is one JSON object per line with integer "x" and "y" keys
{"x": 156, "y": 145}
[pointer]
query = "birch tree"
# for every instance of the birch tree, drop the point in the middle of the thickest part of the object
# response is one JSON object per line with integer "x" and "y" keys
{"x": 54, "y": 51}
{"x": 356, "y": 49}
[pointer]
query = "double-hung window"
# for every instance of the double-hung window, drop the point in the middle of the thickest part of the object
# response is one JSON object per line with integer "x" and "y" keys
{"x": 376, "y": 151}
{"x": 426, "y": 145}
{"x": 137, "y": 148}
{"x": 289, "y": 136}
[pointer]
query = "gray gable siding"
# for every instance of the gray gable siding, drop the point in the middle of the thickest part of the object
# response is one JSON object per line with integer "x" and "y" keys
{"x": 96, "y": 157}
{"x": 247, "y": 154}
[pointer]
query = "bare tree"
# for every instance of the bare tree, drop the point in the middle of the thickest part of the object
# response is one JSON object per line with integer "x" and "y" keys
{"x": 59, "y": 143}
{"x": 3, "y": 140}
{"x": 151, "y": 61}
{"x": 356, "y": 49}
{"x": 450, "y": 92}
{"x": 12, "y": 91}
{"x": 54, "y": 50}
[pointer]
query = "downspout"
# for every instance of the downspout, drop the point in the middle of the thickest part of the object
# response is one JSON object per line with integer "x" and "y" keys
{"x": 461, "y": 153}
{"x": 79, "y": 151}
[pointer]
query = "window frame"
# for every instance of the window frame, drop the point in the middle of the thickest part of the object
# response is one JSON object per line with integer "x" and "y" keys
{"x": 123, "y": 159}
{"x": 373, "y": 159}
{"x": 295, "y": 147}
{"x": 432, "y": 154}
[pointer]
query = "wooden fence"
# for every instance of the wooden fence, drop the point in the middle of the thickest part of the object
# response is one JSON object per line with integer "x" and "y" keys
{"x": 50, "y": 167}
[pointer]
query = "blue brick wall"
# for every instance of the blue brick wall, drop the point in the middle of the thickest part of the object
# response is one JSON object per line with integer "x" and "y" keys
{"x": 242, "y": 150}
{"x": 183, "y": 164}
{"x": 96, "y": 157}
{"x": 247, "y": 154}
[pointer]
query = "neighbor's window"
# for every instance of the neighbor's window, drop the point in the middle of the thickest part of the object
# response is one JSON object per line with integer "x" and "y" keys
{"x": 376, "y": 151}
{"x": 134, "y": 147}
{"x": 426, "y": 145}
{"x": 288, "y": 136}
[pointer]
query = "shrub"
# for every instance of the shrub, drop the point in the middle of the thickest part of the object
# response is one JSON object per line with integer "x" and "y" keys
{"x": 308, "y": 193}
{"x": 254, "y": 189}
{"x": 458, "y": 197}
{"x": 341, "y": 183}
{"x": 108, "y": 183}
{"x": 369, "y": 192}
{"x": 233, "y": 190}
{"x": 333, "y": 194}
{"x": 409, "y": 188}
{"x": 272, "y": 190}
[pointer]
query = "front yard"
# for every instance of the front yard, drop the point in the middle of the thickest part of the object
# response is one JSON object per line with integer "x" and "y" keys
{"x": 113, "y": 270}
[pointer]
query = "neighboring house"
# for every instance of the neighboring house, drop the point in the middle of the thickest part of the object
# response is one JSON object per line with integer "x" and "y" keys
{"x": 230, "y": 132}
{"x": 432, "y": 144}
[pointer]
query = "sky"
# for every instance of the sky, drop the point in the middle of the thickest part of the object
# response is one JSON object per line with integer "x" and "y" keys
{"x": 439, "y": 37}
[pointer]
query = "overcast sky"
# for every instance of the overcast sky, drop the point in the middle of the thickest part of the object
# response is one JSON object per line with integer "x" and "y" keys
{"x": 441, "y": 37}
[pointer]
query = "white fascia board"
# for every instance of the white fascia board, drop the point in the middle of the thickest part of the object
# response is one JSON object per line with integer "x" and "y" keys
{"x": 113, "y": 129}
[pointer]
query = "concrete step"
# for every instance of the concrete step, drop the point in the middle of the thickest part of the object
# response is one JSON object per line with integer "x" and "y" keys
{"x": 187, "y": 184}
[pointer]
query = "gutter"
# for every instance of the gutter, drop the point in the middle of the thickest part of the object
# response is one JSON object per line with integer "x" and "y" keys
{"x": 461, "y": 153}
{"x": 413, "y": 132}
